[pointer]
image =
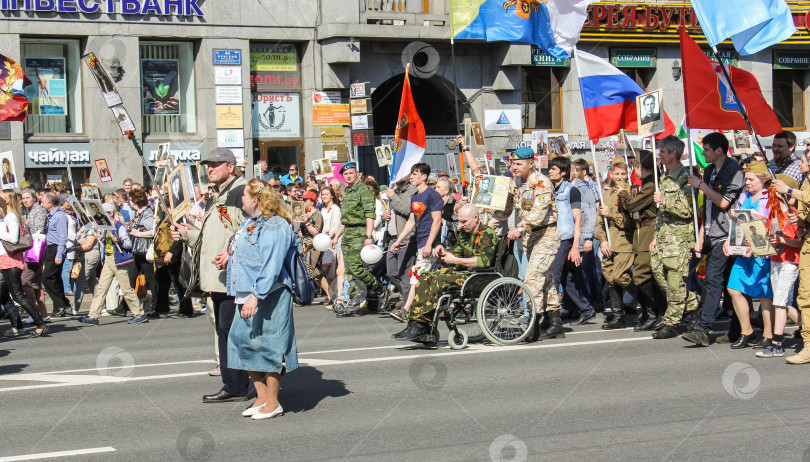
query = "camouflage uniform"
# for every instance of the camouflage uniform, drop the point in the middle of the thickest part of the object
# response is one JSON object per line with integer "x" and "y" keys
{"x": 357, "y": 205}
{"x": 616, "y": 268}
{"x": 537, "y": 211}
{"x": 481, "y": 244}
{"x": 803, "y": 299}
{"x": 675, "y": 238}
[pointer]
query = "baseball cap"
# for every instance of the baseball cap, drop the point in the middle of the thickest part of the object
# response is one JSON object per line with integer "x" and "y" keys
{"x": 310, "y": 195}
{"x": 220, "y": 155}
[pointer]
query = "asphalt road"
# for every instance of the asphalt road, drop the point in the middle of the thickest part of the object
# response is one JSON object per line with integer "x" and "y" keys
{"x": 133, "y": 392}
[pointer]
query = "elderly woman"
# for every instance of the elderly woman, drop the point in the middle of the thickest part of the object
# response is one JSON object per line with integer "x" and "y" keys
{"x": 37, "y": 219}
{"x": 311, "y": 227}
{"x": 262, "y": 336}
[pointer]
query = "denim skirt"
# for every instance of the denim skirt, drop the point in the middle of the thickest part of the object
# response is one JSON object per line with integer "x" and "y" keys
{"x": 265, "y": 341}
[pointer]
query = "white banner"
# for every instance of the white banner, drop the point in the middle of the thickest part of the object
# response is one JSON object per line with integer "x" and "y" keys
{"x": 276, "y": 115}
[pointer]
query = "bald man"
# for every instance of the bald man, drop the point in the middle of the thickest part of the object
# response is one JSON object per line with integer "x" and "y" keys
{"x": 475, "y": 249}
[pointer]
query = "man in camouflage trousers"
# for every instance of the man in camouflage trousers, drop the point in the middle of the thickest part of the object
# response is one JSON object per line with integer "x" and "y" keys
{"x": 356, "y": 228}
{"x": 674, "y": 237}
{"x": 617, "y": 261}
{"x": 475, "y": 249}
{"x": 532, "y": 194}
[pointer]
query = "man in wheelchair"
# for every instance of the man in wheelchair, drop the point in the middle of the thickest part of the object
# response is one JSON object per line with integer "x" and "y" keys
{"x": 475, "y": 250}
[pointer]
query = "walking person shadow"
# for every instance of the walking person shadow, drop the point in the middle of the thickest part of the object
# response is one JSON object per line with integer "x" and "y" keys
{"x": 305, "y": 387}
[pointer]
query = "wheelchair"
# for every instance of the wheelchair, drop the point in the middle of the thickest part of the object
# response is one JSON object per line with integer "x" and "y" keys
{"x": 488, "y": 305}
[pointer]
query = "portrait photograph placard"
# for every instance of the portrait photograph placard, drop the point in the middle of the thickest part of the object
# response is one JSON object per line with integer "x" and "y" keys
{"x": 78, "y": 209}
{"x": 90, "y": 191}
{"x": 650, "y": 113}
{"x": 103, "y": 171}
{"x": 743, "y": 143}
{"x": 490, "y": 191}
{"x": 177, "y": 193}
{"x": 9, "y": 173}
{"x": 385, "y": 155}
{"x": 97, "y": 214}
{"x": 757, "y": 235}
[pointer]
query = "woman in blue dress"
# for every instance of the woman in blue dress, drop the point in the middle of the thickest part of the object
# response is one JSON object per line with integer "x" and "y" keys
{"x": 262, "y": 337}
{"x": 751, "y": 276}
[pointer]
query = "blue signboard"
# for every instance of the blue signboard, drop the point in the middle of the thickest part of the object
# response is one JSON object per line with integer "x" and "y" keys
{"x": 228, "y": 57}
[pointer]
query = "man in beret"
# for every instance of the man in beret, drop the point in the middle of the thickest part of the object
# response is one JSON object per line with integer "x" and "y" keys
{"x": 532, "y": 194}
{"x": 357, "y": 230}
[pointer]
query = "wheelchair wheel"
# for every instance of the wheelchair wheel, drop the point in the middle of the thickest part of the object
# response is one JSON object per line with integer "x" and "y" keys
{"x": 457, "y": 341}
{"x": 501, "y": 308}
{"x": 465, "y": 321}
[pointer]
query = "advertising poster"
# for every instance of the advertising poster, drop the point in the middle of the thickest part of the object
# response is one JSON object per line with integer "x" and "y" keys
{"x": 331, "y": 114}
{"x": 228, "y": 94}
{"x": 230, "y": 138}
{"x": 503, "y": 120}
{"x": 47, "y": 95}
{"x": 276, "y": 115}
{"x": 227, "y": 75}
{"x": 229, "y": 116}
{"x": 161, "y": 86}
{"x": 273, "y": 57}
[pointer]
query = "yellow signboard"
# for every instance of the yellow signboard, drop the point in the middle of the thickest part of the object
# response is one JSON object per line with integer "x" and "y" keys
{"x": 229, "y": 116}
{"x": 331, "y": 114}
{"x": 273, "y": 57}
{"x": 333, "y": 135}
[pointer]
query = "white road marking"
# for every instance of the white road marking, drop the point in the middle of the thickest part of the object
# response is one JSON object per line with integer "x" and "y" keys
{"x": 63, "y": 380}
{"x": 48, "y": 455}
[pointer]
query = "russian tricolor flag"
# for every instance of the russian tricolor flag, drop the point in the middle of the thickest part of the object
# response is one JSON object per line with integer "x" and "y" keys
{"x": 409, "y": 137}
{"x": 609, "y": 98}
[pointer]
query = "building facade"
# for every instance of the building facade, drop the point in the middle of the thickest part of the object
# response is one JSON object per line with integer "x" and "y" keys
{"x": 285, "y": 81}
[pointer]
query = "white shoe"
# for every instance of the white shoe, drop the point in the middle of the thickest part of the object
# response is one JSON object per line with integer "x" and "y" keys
{"x": 261, "y": 416}
{"x": 253, "y": 410}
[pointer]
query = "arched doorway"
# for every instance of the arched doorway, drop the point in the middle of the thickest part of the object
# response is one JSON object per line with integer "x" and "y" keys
{"x": 435, "y": 100}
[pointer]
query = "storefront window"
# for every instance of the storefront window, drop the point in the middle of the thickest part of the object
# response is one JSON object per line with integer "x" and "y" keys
{"x": 54, "y": 96}
{"x": 167, "y": 87}
{"x": 788, "y": 97}
{"x": 542, "y": 107}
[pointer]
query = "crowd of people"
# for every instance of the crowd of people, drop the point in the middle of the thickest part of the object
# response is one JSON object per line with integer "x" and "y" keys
{"x": 628, "y": 246}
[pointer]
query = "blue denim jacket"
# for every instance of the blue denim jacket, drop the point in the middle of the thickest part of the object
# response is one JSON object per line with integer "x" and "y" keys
{"x": 588, "y": 206}
{"x": 565, "y": 219}
{"x": 257, "y": 263}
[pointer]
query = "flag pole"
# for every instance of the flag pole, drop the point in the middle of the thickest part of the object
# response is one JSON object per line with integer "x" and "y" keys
{"x": 655, "y": 165}
{"x": 599, "y": 189}
{"x": 694, "y": 193}
{"x": 744, "y": 113}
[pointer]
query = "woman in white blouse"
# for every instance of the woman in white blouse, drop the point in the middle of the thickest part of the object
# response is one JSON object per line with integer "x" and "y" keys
{"x": 12, "y": 265}
{"x": 331, "y": 222}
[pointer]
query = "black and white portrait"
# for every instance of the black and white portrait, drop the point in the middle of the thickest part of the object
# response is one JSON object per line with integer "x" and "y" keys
{"x": 649, "y": 113}
{"x": 97, "y": 214}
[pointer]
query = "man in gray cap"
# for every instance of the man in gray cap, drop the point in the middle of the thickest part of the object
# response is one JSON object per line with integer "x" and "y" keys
{"x": 222, "y": 218}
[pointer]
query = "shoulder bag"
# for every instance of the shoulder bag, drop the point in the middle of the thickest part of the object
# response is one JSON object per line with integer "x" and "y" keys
{"x": 25, "y": 242}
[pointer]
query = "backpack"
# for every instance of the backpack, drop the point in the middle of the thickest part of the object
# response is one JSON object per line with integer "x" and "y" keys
{"x": 303, "y": 288}
{"x": 505, "y": 261}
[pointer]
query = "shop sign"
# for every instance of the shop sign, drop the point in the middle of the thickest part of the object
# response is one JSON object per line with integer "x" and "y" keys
{"x": 331, "y": 114}
{"x": 540, "y": 58}
{"x": 633, "y": 57}
{"x": 227, "y": 57}
{"x": 361, "y": 106}
{"x": 273, "y": 57}
{"x": 726, "y": 56}
{"x": 230, "y": 138}
{"x": 359, "y": 90}
{"x": 129, "y": 7}
{"x": 326, "y": 97}
{"x": 623, "y": 16}
{"x": 263, "y": 81}
{"x": 276, "y": 115}
{"x": 228, "y": 94}
{"x": 229, "y": 116}
{"x": 227, "y": 75}
{"x": 503, "y": 119}
{"x": 333, "y": 135}
{"x": 791, "y": 60}
{"x": 48, "y": 155}
{"x": 362, "y": 122}
{"x": 185, "y": 152}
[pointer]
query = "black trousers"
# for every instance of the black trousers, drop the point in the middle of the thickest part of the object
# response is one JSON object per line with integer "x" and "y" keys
{"x": 234, "y": 381}
{"x": 148, "y": 270}
{"x": 11, "y": 285}
{"x": 52, "y": 279}
{"x": 165, "y": 276}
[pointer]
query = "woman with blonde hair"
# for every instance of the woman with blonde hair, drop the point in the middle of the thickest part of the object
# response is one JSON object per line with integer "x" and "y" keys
{"x": 12, "y": 265}
{"x": 262, "y": 337}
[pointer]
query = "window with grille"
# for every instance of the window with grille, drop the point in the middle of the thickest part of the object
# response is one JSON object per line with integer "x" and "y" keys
{"x": 167, "y": 87}
{"x": 55, "y": 95}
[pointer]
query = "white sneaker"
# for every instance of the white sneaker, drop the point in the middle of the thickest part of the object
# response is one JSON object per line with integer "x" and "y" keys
{"x": 261, "y": 416}
{"x": 253, "y": 410}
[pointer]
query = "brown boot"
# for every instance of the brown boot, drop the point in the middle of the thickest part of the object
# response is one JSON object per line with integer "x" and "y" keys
{"x": 802, "y": 358}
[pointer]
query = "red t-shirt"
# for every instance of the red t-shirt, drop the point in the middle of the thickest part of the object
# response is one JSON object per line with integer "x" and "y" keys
{"x": 789, "y": 254}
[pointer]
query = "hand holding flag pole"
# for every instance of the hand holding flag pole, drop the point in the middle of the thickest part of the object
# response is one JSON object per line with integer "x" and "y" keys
{"x": 599, "y": 189}
{"x": 694, "y": 192}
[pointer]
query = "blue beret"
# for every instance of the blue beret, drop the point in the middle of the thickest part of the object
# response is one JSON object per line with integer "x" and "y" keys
{"x": 523, "y": 153}
{"x": 347, "y": 166}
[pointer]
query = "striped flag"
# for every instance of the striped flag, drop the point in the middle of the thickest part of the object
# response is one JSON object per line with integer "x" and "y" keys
{"x": 409, "y": 138}
{"x": 697, "y": 148}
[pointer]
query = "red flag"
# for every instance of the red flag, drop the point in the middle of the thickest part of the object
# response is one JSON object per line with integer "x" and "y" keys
{"x": 13, "y": 101}
{"x": 709, "y": 100}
